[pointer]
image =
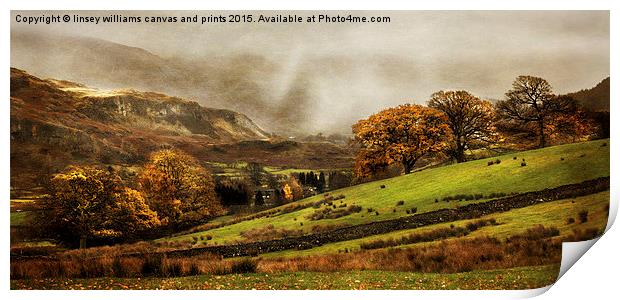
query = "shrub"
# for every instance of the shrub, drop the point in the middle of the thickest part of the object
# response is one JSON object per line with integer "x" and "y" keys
{"x": 561, "y": 158}
{"x": 414, "y": 210}
{"x": 523, "y": 164}
{"x": 400, "y": 202}
{"x": 583, "y": 216}
{"x": 370, "y": 209}
{"x": 490, "y": 163}
{"x": 172, "y": 268}
{"x": 428, "y": 236}
{"x": 583, "y": 235}
{"x": 538, "y": 232}
{"x": 376, "y": 213}
{"x": 497, "y": 161}
{"x": 194, "y": 270}
{"x": 341, "y": 196}
{"x": 329, "y": 213}
{"x": 570, "y": 220}
{"x": 514, "y": 158}
{"x": 383, "y": 186}
{"x": 245, "y": 265}
{"x": 117, "y": 268}
{"x": 153, "y": 265}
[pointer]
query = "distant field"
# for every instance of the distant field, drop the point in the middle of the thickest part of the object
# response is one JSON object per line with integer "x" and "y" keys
{"x": 515, "y": 278}
{"x": 237, "y": 169}
{"x": 548, "y": 167}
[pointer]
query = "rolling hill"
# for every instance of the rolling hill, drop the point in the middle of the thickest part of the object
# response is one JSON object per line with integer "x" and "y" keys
{"x": 426, "y": 191}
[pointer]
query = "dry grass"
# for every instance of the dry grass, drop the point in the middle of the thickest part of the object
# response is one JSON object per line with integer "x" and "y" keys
{"x": 450, "y": 256}
{"x": 537, "y": 246}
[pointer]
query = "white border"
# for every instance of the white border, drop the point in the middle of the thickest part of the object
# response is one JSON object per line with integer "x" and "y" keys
{"x": 595, "y": 274}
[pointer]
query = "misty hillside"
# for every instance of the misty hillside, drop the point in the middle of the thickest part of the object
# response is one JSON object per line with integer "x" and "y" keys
{"x": 66, "y": 122}
{"x": 596, "y": 98}
{"x": 235, "y": 82}
{"x": 55, "y": 123}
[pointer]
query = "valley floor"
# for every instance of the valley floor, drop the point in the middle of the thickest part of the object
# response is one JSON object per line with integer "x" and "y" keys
{"x": 507, "y": 279}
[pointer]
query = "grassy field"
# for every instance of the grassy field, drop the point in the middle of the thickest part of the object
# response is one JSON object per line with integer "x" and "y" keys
{"x": 509, "y": 223}
{"x": 515, "y": 278}
{"x": 548, "y": 167}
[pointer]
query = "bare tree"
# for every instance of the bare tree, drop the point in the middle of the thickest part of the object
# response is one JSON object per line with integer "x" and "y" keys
{"x": 469, "y": 117}
{"x": 531, "y": 101}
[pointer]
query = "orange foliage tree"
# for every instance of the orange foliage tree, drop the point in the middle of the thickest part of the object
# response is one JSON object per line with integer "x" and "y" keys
{"x": 400, "y": 134}
{"x": 292, "y": 190}
{"x": 570, "y": 126}
{"x": 178, "y": 188}
{"x": 86, "y": 203}
{"x": 470, "y": 119}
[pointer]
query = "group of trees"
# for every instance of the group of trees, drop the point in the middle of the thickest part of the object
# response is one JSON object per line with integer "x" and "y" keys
{"x": 312, "y": 179}
{"x": 91, "y": 203}
{"x": 234, "y": 191}
{"x": 323, "y": 181}
{"x": 454, "y": 122}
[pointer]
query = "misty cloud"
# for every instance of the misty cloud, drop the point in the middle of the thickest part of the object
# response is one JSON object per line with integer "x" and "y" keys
{"x": 323, "y": 77}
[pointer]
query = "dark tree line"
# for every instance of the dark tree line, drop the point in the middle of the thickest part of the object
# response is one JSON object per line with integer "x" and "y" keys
{"x": 234, "y": 192}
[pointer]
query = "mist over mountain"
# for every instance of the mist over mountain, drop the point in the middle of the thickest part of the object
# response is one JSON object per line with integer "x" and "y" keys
{"x": 56, "y": 122}
{"x": 305, "y": 78}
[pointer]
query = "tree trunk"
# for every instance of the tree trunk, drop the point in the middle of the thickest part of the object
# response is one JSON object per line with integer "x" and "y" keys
{"x": 408, "y": 165}
{"x": 82, "y": 242}
{"x": 460, "y": 153}
{"x": 541, "y": 132}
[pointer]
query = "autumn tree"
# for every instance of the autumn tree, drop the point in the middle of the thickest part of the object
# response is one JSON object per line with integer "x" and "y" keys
{"x": 400, "y": 134}
{"x": 178, "y": 188}
{"x": 292, "y": 190}
{"x": 531, "y": 102}
{"x": 469, "y": 118}
{"x": 86, "y": 203}
{"x": 571, "y": 125}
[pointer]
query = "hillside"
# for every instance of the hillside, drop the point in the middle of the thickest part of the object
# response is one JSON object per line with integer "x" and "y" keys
{"x": 596, "y": 98}
{"x": 428, "y": 190}
{"x": 55, "y": 122}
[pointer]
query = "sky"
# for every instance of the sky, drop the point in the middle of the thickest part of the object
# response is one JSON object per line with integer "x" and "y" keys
{"x": 352, "y": 70}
